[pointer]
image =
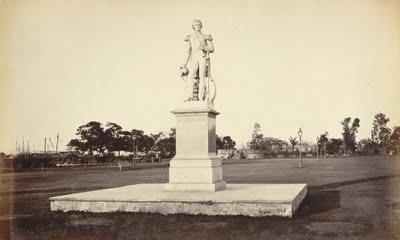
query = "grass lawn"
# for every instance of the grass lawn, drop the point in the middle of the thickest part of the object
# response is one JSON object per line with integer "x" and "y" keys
{"x": 349, "y": 198}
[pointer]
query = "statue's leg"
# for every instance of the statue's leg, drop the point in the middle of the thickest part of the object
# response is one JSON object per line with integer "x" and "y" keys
{"x": 202, "y": 77}
{"x": 193, "y": 68}
{"x": 188, "y": 89}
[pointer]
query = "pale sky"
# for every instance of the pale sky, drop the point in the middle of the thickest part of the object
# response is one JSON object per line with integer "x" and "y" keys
{"x": 283, "y": 64}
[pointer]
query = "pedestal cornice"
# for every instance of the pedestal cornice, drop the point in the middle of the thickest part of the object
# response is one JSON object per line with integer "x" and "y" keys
{"x": 195, "y": 107}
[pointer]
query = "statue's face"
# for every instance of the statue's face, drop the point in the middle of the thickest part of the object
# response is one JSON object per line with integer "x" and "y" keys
{"x": 197, "y": 26}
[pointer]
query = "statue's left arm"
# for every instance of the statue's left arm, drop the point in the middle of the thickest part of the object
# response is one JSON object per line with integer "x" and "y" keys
{"x": 209, "y": 47}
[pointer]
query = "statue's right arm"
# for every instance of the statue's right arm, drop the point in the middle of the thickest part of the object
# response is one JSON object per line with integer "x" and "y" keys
{"x": 188, "y": 51}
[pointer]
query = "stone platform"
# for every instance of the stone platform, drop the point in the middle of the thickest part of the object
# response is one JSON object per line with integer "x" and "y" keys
{"x": 238, "y": 199}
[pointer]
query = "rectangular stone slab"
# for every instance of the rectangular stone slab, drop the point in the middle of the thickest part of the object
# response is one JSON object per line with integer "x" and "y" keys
{"x": 238, "y": 199}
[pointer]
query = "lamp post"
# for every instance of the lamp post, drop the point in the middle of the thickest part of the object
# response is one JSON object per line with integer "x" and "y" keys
{"x": 134, "y": 148}
{"x": 300, "y": 133}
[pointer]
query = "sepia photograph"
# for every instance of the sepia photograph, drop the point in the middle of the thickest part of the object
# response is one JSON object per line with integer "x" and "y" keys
{"x": 190, "y": 120}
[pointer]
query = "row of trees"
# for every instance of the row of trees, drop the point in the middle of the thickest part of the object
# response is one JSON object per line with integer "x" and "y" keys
{"x": 265, "y": 144}
{"x": 345, "y": 145}
{"x": 383, "y": 140}
{"x": 94, "y": 138}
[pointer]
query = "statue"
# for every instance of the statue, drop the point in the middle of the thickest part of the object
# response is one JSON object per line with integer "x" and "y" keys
{"x": 196, "y": 69}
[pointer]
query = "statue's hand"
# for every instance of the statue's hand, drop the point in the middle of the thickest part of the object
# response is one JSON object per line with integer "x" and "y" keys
{"x": 184, "y": 70}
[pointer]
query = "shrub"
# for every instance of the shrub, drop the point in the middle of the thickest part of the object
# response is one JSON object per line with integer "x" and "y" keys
{"x": 28, "y": 161}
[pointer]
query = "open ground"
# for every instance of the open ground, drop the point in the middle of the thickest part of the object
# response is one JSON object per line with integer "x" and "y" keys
{"x": 348, "y": 198}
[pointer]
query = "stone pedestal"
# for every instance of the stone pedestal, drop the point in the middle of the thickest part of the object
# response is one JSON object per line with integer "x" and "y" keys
{"x": 195, "y": 166}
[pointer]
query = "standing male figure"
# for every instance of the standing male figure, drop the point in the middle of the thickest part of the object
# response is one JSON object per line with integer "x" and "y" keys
{"x": 198, "y": 47}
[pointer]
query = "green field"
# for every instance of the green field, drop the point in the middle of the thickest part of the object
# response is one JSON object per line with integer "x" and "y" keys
{"x": 349, "y": 198}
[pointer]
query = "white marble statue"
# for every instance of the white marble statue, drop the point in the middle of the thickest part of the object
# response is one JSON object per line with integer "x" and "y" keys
{"x": 196, "y": 68}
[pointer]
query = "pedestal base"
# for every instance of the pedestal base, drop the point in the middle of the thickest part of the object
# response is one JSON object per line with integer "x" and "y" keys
{"x": 202, "y": 174}
{"x": 195, "y": 187}
{"x": 238, "y": 199}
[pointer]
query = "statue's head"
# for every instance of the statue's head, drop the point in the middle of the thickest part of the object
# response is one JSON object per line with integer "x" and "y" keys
{"x": 197, "y": 25}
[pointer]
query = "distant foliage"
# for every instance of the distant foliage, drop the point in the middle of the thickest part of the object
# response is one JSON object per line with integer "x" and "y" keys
{"x": 225, "y": 142}
{"x": 268, "y": 145}
{"x": 349, "y": 134}
{"x": 331, "y": 146}
{"x": 323, "y": 140}
{"x": 92, "y": 138}
{"x": 166, "y": 144}
{"x": 334, "y": 146}
{"x": 366, "y": 147}
{"x": 394, "y": 141}
{"x": 381, "y": 133}
{"x": 383, "y": 140}
{"x": 28, "y": 161}
{"x": 293, "y": 141}
{"x": 256, "y": 138}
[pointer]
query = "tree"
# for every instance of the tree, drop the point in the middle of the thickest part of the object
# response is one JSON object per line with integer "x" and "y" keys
{"x": 172, "y": 133}
{"x": 257, "y": 137}
{"x": 293, "y": 141}
{"x": 219, "y": 142}
{"x": 157, "y": 137}
{"x": 166, "y": 145}
{"x": 394, "y": 141}
{"x": 349, "y": 133}
{"x": 272, "y": 145}
{"x": 323, "y": 142}
{"x": 171, "y": 144}
{"x": 77, "y": 145}
{"x": 228, "y": 142}
{"x": 92, "y": 138}
{"x": 334, "y": 145}
{"x": 146, "y": 143}
{"x": 114, "y": 140}
{"x": 126, "y": 141}
{"x": 137, "y": 140}
{"x": 366, "y": 147}
{"x": 380, "y": 134}
{"x": 225, "y": 142}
